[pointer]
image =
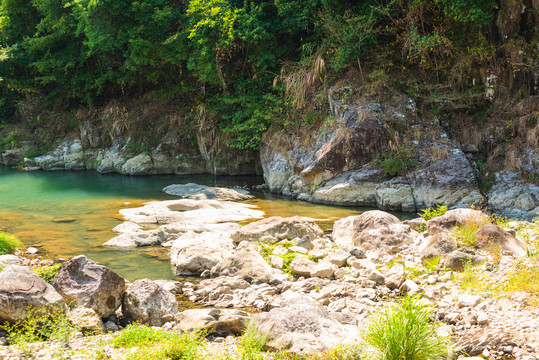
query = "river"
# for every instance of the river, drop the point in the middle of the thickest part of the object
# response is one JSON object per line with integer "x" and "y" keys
{"x": 64, "y": 214}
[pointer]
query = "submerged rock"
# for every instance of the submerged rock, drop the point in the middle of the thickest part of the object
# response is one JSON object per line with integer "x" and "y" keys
{"x": 22, "y": 290}
{"x": 203, "y": 192}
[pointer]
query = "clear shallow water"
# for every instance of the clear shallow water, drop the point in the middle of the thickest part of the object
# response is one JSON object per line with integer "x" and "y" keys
{"x": 70, "y": 213}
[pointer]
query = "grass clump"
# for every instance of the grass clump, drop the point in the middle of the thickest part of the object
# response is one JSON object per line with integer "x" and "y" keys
{"x": 47, "y": 273}
{"x": 41, "y": 324}
{"x": 8, "y": 243}
{"x": 466, "y": 233}
{"x": 431, "y": 213}
{"x": 526, "y": 278}
{"x": 158, "y": 344}
{"x": 404, "y": 333}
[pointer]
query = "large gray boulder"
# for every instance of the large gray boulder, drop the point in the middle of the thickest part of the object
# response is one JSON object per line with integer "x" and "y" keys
{"x": 248, "y": 265}
{"x": 373, "y": 230}
{"x": 147, "y": 302}
{"x": 276, "y": 228}
{"x": 302, "y": 326}
{"x": 203, "y": 192}
{"x": 21, "y": 290}
{"x": 83, "y": 282}
{"x": 221, "y": 321}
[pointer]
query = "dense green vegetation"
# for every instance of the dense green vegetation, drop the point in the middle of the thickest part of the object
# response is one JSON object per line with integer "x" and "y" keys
{"x": 241, "y": 65}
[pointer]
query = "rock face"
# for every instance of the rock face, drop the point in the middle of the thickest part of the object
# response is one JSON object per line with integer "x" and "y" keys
{"x": 86, "y": 150}
{"x": 249, "y": 265}
{"x": 83, "y": 282}
{"x": 492, "y": 237}
{"x": 333, "y": 163}
{"x": 147, "y": 302}
{"x": 276, "y": 228}
{"x": 203, "y": 192}
{"x": 224, "y": 322}
{"x": 372, "y": 230}
{"x": 302, "y": 326}
{"x": 21, "y": 289}
{"x": 513, "y": 197}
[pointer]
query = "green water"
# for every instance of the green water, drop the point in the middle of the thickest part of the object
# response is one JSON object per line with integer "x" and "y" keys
{"x": 64, "y": 214}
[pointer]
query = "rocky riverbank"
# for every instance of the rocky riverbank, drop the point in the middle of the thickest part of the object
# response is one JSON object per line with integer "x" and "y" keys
{"x": 306, "y": 290}
{"x": 374, "y": 151}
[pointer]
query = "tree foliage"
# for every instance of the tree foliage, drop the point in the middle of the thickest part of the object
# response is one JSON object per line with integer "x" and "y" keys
{"x": 220, "y": 52}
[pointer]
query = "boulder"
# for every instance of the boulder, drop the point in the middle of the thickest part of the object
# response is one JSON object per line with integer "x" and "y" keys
{"x": 276, "y": 228}
{"x": 338, "y": 257}
{"x": 324, "y": 270}
{"x": 224, "y": 322}
{"x": 9, "y": 259}
{"x": 372, "y": 230}
{"x": 395, "y": 276}
{"x": 173, "y": 286}
{"x": 147, "y": 302}
{"x": 453, "y": 218}
{"x": 192, "y": 254}
{"x": 203, "y": 192}
{"x": 302, "y": 326}
{"x": 248, "y": 265}
{"x": 83, "y": 282}
{"x": 492, "y": 237}
{"x": 87, "y": 321}
{"x": 21, "y": 289}
{"x": 457, "y": 259}
{"x": 302, "y": 267}
{"x": 438, "y": 245}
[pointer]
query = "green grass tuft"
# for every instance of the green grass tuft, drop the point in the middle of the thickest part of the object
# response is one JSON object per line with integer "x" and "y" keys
{"x": 404, "y": 333}
{"x": 8, "y": 243}
{"x": 431, "y": 213}
{"x": 47, "y": 273}
{"x": 158, "y": 344}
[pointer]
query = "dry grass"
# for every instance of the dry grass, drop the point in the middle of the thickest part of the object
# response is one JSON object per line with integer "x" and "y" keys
{"x": 299, "y": 79}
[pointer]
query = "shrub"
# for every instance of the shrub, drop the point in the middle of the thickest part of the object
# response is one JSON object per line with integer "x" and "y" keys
{"x": 158, "y": 344}
{"x": 47, "y": 273}
{"x": 396, "y": 164}
{"x": 252, "y": 343}
{"x": 8, "y": 243}
{"x": 404, "y": 333}
{"x": 431, "y": 213}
